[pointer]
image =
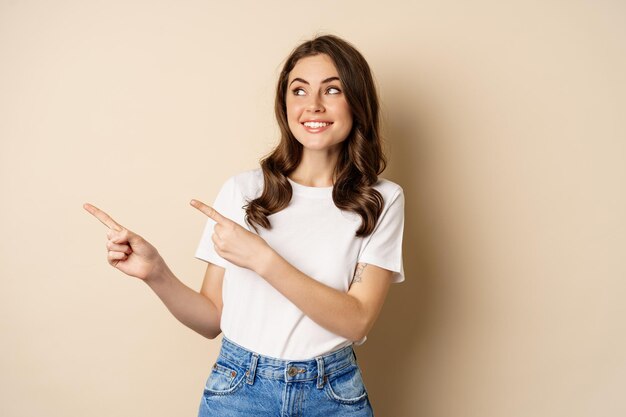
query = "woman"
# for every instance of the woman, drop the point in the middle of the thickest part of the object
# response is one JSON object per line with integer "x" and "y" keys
{"x": 300, "y": 252}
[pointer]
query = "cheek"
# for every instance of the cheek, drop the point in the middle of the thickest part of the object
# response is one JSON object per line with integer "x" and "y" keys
{"x": 293, "y": 110}
{"x": 291, "y": 113}
{"x": 294, "y": 113}
{"x": 292, "y": 119}
{"x": 343, "y": 110}
{"x": 346, "y": 115}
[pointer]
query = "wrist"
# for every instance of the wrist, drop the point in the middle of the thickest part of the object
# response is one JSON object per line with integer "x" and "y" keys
{"x": 159, "y": 274}
{"x": 266, "y": 258}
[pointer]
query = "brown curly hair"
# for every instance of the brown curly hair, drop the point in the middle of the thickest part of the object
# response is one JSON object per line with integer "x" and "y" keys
{"x": 361, "y": 158}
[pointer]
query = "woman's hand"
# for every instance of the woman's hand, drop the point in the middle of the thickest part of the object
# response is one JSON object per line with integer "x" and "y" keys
{"x": 234, "y": 243}
{"x": 127, "y": 251}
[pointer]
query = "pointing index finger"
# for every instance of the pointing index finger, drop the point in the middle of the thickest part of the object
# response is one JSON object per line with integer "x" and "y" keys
{"x": 103, "y": 217}
{"x": 209, "y": 211}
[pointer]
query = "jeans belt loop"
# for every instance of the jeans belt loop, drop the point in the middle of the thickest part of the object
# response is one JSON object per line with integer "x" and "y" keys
{"x": 320, "y": 372}
{"x": 252, "y": 370}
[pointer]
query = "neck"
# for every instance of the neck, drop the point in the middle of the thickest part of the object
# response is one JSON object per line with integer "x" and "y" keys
{"x": 315, "y": 169}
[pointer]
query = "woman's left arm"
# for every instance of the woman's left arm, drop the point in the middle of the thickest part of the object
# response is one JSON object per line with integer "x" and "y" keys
{"x": 350, "y": 314}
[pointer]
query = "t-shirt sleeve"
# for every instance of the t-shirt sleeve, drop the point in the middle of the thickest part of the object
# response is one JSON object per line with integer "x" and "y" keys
{"x": 383, "y": 247}
{"x": 224, "y": 203}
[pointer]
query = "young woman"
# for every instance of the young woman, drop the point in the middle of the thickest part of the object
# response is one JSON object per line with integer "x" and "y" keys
{"x": 300, "y": 252}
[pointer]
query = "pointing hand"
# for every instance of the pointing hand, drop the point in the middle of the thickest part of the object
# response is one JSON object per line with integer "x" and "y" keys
{"x": 235, "y": 243}
{"x": 127, "y": 251}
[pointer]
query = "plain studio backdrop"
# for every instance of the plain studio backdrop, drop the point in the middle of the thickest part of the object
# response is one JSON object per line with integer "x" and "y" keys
{"x": 504, "y": 123}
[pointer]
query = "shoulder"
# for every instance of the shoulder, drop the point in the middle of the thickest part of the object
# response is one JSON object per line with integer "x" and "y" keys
{"x": 389, "y": 190}
{"x": 249, "y": 183}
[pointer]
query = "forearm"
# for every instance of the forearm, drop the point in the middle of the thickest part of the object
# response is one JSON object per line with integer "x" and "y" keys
{"x": 332, "y": 309}
{"x": 191, "y": 308}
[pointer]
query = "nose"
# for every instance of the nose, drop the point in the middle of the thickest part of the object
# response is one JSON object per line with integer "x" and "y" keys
{"x": 315, "y": 104}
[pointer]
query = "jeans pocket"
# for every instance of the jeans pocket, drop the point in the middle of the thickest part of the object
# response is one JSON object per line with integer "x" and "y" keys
{"x": 225, "y": 378}
{"x": 346, "y": 386}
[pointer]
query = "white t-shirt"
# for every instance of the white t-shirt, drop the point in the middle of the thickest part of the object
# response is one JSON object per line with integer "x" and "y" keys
{"x": 317, "y": 238}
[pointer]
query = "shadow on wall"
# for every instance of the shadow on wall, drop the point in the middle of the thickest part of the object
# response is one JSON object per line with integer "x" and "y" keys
{"x": 396, "y": 346}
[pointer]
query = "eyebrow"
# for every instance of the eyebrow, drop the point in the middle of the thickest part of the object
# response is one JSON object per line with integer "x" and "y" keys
{"x": 327, "y": 80}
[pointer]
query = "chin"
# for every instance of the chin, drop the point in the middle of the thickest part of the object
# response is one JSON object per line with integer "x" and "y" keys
{"x": 319, "y": 146}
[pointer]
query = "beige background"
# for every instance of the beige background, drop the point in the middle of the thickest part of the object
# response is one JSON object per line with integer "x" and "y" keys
{"x": 505, "y": 126}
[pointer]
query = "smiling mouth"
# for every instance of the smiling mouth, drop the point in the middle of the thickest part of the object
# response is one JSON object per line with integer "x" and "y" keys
{"x": 316, "y": 125}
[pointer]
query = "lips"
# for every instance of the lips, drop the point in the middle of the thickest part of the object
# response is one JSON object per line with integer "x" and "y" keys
{"x": 316, "y": 126}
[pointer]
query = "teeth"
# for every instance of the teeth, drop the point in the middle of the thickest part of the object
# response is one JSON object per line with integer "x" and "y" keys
{"x": 315, "y": 125}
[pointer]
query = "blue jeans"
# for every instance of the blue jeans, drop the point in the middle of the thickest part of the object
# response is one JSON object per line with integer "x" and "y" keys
{"x": 243, "y": 383}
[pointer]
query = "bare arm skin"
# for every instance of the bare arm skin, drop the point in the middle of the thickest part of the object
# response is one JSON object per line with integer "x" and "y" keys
{"x": 212, "y": 287}
{"x": 198, "y": 311}
{"x": 350, "y": 314}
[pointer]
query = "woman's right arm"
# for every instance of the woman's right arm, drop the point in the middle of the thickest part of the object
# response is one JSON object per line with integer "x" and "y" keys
{"x": 200, "y": 312}
{"x": 135, "y": 256}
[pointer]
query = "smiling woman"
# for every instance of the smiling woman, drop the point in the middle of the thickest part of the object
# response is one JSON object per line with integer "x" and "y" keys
{"x": 300, "y": 252}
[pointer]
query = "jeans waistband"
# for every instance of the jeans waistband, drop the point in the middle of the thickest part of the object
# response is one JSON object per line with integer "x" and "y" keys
{"x": 287, "y": 370}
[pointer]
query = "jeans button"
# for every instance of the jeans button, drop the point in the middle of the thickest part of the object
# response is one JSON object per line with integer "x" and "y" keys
{"x": 292, "y": 371}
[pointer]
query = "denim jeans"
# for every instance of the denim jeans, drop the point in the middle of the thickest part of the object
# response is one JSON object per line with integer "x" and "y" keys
{"x": 243, "y": 383}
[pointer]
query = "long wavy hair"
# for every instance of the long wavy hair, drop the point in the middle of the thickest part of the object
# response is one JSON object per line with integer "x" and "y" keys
{"x": 361, "y": 158}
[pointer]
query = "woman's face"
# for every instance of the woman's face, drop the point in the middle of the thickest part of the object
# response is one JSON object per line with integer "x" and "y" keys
{"x": 317, "y": 110}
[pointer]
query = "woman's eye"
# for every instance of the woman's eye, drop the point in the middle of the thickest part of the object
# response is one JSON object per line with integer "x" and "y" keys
{"x": 301, "y": 92}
